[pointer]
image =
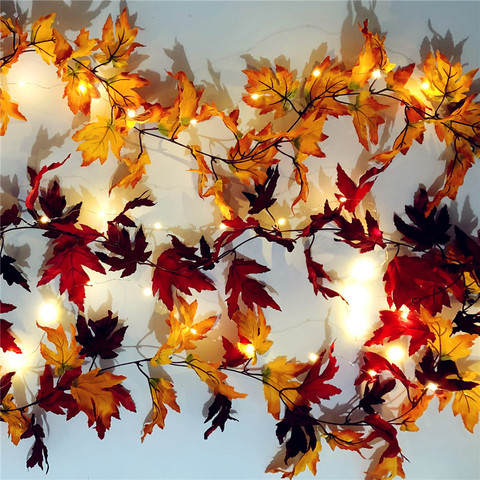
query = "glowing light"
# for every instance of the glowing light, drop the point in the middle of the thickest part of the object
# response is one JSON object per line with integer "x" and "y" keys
{"x": 376, "y": 74}
{"x": 432, "y": 386}
{"x": 48, "y": 312}
{"x": 222, "y": 226}
{"x": 356, "y": 295}
{"x": 372, "y": 373}
{"x": 404, "y": 312}
{"x": 316, "y": 72}
{"x": 247, "y": 349}
{"x": 14, "y": 361}
{"x": 157, "y": 226}
{"x": 89, "y": 284}
{"x": 193, "y": 121}
{"x": 101, "y": 214}
{"x": 131, "y": 113}
{"x": 356, "y": 324}
{"x": 148, "y": 292}
{"x": 281, "y": 221}
{"x": 342, "y": 199}
{"x": 192, "y": 330}
{"x": 313, "y": 357}
{"x": 21, "y": 83}
{"x": 363, "y": 270}
{"x": 82, "y": 88}
{"x": 255, "y": 96}
{"x": 425, "y": 85}
{"x": 44, "y": 219}
{"x": 395, "y": 354}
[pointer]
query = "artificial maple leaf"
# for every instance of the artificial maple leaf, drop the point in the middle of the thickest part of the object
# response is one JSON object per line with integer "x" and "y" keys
{"x": 240, "y": 284}
{"x": 313, "y": 388}
{"x": 5, "y": 384}
{"x": 372, "y": 57}
{"x": 8, "y": 109}
{"x": 62, "y": 51}
{"x": 95, "y": 395}
{"x": 175, "y": 267}
{"x": 70, "y": 256}
{"x": 9, "y": 216}
{"x": 203, "y": 169}
{"x": 140, "y": 201}
{"x": 6, "y": 307}
{"x": 387, "y": 469}
{"x": 213, "y": 377}
{"x": 38, "y": 452}
{"x": 233, "y": 357}
{"x": 412, "y": 409}
{"x": 466, "y": 403}
{"x": 67, "y": 356}
{"x": 99, "y": 138}
{"x": 347, "y": 439}
{"x": 413, "y": 281}
{"x": 465, "y": 322}
{"x": 278, "y": 375}
{"x": 366, "y": 118}
{"x": 254, "y": 329}
{"x": 15, "y": 418}
{"x": 234, "y": 228}
{"x": 163, "y": 395}
{"x": 374, "y": 392}
{"x": 7, "y": 340}
{"x": 54, "y": 398}
{"x": 386, "y": 431}
{"x": 11, "y": 274}
{"x": 220, "y": 409}
{"x": 127, "y": 254}
{"x": 42, "y": 37}
{"x": 270, "y": 90}
{"x": 120, "y": 90}
{"x": 263, "y": 196}
{"x": 300, "y": 171}
{"x": 85, "y": 44}
{"x": 318, "y": 221}
{"x": 117, "y": 47}
{"x": 217, "y": 191}
{"x": 300, "y": 424}
{"x": 100, "y": 337}
{"x": 80, "y": 87}
{"x": 310, "y": 132}
{"x": 445, "y": 81}
{"x": 136, "y": 169}
{"x": 316, "y": 275}
{"x": 395, "y": 325}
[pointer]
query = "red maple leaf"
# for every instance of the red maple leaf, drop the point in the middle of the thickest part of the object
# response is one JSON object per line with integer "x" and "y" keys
{"x": 383, "y": 429}
{"x": 177, "y": 267}
{"x": 395, "y": 326}
{"x": 316, "y": 275}
{"x": 240, "y": 284}
{"x": 232, "y": 357}
{"x": 7, "y": 340}
{"x": 9, "y": 217}
{"x": 314, "y": 389}
{"x": 70, "y": 256}
{"x": 235, "y": 227}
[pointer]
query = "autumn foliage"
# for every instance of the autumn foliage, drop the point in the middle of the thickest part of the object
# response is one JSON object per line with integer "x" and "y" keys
{"x": 432, "y": 266}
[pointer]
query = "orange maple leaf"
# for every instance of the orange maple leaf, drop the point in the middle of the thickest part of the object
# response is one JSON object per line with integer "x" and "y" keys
{"x": 217, "y": 191}
{"x": 62, "y": 50}
{"x": 310, "y": 132}
{"x": 99, "y": 138}
{"x": 42, "y": 37}
{"x": 120, "y": 90}
{"x": 278, "y": 376}
{"x": 254, "y": 329}
{"x": 387, "y": 469}
{"x": 270, "y": 90}
{"x": 67, "y": 355}
{"x": 94, "y": 395}
{"x": 366, "y": 118}
{"x": 300, "y": 174}
{"x": 410, "y": 415}
{"x": 347, "y": 440}
{"x": 213, "y": 377}
{"x": 80, "y": 87}
{"x": 203, "y": 169}
{"x": 85, "y": 44}
{"x": 466, "y": 403}
{"x": 8, "y": 109}
{"x": 162, "y": 393}
{"x": 117, "y": 47}
{"x": 18, "y": 45}
{"x": 16, "y": 420}
{"x": 136, "y": 169}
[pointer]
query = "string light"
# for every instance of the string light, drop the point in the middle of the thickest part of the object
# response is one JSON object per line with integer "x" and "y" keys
{"x": 148, "y": 292}
{"x": 192, "y": 330}
{"x": 313, "y": 357}
{"x": 316, "y": 72}
{"x": 376, "y": 74}
{"x": 82, "y": 88}
{"x": 130, "y": 113}
{"x": 222, "y": 226}
{"x": 255, "y": 96}
{"x": 48, "y": 312}
{"x": 432, "y": 386}
{"x": 342, "y": 199}
{"x": 363, "y": 270}
{"x": 157, "y": 226}
{"x": 395, "y": 353}
{"x": 44, "y": 219}
{"x": 14, "y": 362}
{"x": 425, "y": 85}
{"x": 89, "y": 283}
{"x": 372, "y": 373}
{"x": 193, "y": 121}
{"x": 281, "y": 221}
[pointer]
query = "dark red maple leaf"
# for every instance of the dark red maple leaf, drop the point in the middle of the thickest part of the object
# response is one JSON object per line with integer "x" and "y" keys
{"x": 468, "y": 323}
{"x": 6, "y": 307}
{"x": 263, "y": 196}
{"x": 373, "y": 393}
{"x": 220, "y": 409}
{"x": 71, "y": 254}
{"x": 232, "y": 357}
{"x": 9, "y": 216}
{"x": 140, "y": 201}
{"x": 413, "y": 281}
{"x": 177, "y": 268}
{"x": 7, "y": 340}
{"x": 235, "y": 228}
{"x": 383, "y": 429}
{"x": 275, "y": 236}
{"x": 313, "y": 388}
{"x": 316, "y": 275}
{"x": 11, "y": 274}
{"x": 5, "y": 384}
{"x": 300, "y": 424}
{"x": 39, "y": 452}
{"x": 319, "y": 220}
{"x": 101, "y": 339}
{"x": 426, "y": 230}
{"x": 240, "y": 284}
{"x": 128, "y": 254}
{"x": 395, "y": 326}
{"x": 55, "y": 399}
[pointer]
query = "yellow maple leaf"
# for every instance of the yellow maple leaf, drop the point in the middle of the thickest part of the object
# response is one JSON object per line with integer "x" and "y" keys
{"x": 67, "y": 355}
{"x": 16, "y": 420}
{"x": 42, "y": 37}
{"x": 216, "y": 190}
{"x": 162, "y": 393}
{"x": 136, "y": 169}
{"x": 387, "y": 469}
{"x": 213, "y": 377}
{"x": 173, "y": 343}
{"x": 117, "y": 47}
{"x": 18, "y": 45}
{"x": 254, "y": 329}
{"x": 310, "y": 132}
{"x": 366, "y": 118}
{"x": 300, "y": 174}
{"x": 80, "y": 87}
{"x": 92, "y": 393}
{"x": 270, "y": 90}
{"x": 84, "y": 43}
{"x": 278, "y": 381}
{"x": 203, "y": 169}
{"x": 99, "y": 138}
{"x": 467, "y": 402}
{"x": 410, "y": 415}
{"x": 8, "y": 109}
{"x": 347, "y": 440}
{"x": 120, "y": 90}
{"x": 62, "y": 50}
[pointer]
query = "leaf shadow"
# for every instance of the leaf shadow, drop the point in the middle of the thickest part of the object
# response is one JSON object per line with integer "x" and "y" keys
{"x": 44, "y": 145}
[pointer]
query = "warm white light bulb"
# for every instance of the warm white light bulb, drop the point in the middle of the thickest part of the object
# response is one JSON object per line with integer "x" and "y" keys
{"x": 82, "y": 88}
{"x": 13, "y": 362}
{"x": 130, "y": 113}
{"x": 222, "y": 226}
{"x": 342, "y": 199}
{"x": 281, "y": 221}
{"x": 313, "y": 357}
{"x": 376, "y": 74}
{"x": 432, "y": 386}
{"x": 44, "y": 219}
{"x": 193, "y": 331}
{"x": 147, "y": 292}
{"x": 372, "y": 373}
{"x": 21, "y": 83}
{"x": 193, "y": 121}
{"x": 157, "y": 226}
{"x": 255, "y": 96}
{"x": 356, "y": 325}
{"x": 395, "y": 353}
{"x": 48, "y": 312}
{"x": 363, "y": 270}
{"x": 316, "y": 72}
{"x": 249, "y": 350}
{"x": 425, "y": 85}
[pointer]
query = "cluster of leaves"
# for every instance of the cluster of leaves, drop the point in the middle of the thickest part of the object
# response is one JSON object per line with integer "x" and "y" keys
{"x": 433, "y": 267}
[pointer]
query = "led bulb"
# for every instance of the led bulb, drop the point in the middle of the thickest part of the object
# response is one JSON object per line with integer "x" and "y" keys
{"x": 44, "y": 219}
{"x": 157, "y": 226}
{"x": 313, "y": 357}
{"x": 13, "y": 362}
{"x": 376, "y": 74}
{"x": 193, "y": 121}
{"x": 222, "y": 226}
{"x": 148, "y": 292}
{"x": 342, "y": 199}
{"x": 48, "y": 312}
{"x": 363, "y": 270}
{"x": 316, "y": 72}
{"x": 432, "y": 386}
{"x": 249, "y": 350}
{"x": 21, "y": 83}
{"x": 372, "y": 373}
{"x": 281, "y": 222}
{"x": 395, "y": 354}
{"x": 130, "y": 113}
{"x": 255, "y": 96}
{"x": 82, "y": 88}
{"x": 192, "y": 330}
{"x": 425, "y": 85}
